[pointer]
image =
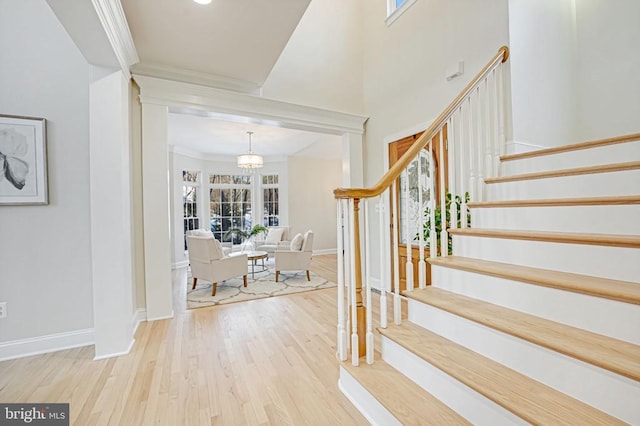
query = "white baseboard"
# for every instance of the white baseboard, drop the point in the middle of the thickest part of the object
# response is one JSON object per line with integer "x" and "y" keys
{"x": 115, "y": 354}
{"x": 325, "y": 251}
{"x": 138, "y": 316}
{"x": 161, "y": 318}
{"x": 45, "y": 344}
{"x": 516, "y": 147}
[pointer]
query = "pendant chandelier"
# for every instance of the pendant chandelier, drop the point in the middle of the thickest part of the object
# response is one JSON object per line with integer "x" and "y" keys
{"x": 250, "y": 160}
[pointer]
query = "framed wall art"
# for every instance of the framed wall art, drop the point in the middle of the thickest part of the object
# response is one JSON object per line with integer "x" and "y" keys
{"x": 23, "y": 160}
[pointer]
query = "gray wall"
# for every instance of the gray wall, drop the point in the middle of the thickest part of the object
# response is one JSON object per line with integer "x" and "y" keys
{"x": 45, "y": 262}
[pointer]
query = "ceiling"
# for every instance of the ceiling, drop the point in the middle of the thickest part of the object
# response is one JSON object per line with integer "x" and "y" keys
{"x": 229, "y": 44}
{"x": 217, "y": 135}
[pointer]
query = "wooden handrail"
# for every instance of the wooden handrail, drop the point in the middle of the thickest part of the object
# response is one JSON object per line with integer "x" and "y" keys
{"x": 403, "y": 162}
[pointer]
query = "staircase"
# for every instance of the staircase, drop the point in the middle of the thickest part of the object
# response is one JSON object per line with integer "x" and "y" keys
{"x": 535, "y": 318}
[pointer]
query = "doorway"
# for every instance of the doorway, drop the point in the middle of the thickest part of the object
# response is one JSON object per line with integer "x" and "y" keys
{"x": 410, "y": 211}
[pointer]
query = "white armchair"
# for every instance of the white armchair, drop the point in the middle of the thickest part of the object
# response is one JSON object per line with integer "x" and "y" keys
{"x": 298, "y": 257}
{"x": 276, "y": 239}
{"x": 209, "y": 263}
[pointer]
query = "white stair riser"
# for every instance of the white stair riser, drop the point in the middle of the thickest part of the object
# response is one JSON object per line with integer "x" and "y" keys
{"x": 367, "y": 404}
{"x": 617, "y": 263}
{"x": 618, "y": 153}
{"x": 465, "y": 401}
{"x": 625, "y": 182}
{"x": 581, "y": 219}
{"x": 596, "y": 314}
{"x": 606, "y": 391}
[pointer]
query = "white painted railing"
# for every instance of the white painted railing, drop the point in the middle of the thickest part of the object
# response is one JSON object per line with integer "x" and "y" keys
{"x": 469, "y": 137}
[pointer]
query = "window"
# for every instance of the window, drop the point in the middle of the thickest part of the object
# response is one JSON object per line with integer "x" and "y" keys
{"x": 395, "y": 8}
{"x": 415, "y": 211}
{"x": 271, "y": 208}
{"x": 190, "y": 185}
{"x": 229, "y": 205}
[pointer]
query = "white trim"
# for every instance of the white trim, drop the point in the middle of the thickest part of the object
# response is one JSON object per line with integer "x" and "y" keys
{"x": 324, "y": 251}
{"x": 160, "y": 317}
{"x": 138, "y": 316}
{"x": 395, "y": 14}
{"x": 45, "y": 344}
{"x": 370, "y": 408}
{"x": 114, "y": 23}
{"x": 199, "y": 100}
{"x": 181, "y": 264}
{"x": 515, "y": 147}
{"x": 200, "y": 78}
{"x": 115, "y": 354}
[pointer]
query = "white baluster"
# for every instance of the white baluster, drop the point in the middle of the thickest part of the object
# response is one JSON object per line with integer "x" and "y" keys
{"x": 342, "y": 332}
{"x": 409, "y": 264}
{"x": 422, "y": 265}
{"x": 487, "y": 129}
{"x": 355, "y": 359}
{"x": 494, "y": 123}
{"x": 453, "y": 184}
{"x": 433, "y": 238}
{"x": 443, "y": 204}
{"x": 501, "y": 113}
{"x": 369, "y": 311}
{"x": 397, "y": 317}
{"x": 383, "y": 262}
{"x": 462, "y": 166}
{"x": 482, "y": 169}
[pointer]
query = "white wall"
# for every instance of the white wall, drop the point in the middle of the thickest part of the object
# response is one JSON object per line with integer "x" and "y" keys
{"x": 321, "y": 65}
{"x": 608, "y": 38}
{"x": 543, "y": 71}
{"x": 405, "y": 67}
{"x": 45, "y": 252}
{"x": 311, "y": 202}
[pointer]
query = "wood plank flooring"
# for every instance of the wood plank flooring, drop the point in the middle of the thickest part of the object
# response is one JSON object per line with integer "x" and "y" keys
{"x": 268, "y": 361}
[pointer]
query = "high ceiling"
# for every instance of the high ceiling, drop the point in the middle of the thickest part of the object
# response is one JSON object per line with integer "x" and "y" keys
{"x": 230, "y": 44}
{"x": 234, "y": 39}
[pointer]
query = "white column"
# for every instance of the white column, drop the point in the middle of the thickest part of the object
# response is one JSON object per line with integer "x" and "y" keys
{"x": 111, "y": 215}
{"x": 156, "y": 205}
{"x": 352, "y": 160}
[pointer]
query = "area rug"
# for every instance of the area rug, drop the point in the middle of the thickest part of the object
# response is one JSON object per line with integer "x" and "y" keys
{"x": 262, "y": 285}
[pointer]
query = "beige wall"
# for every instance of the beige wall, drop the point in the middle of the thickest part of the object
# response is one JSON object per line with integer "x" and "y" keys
{"x": 311, "y": 202}
{"x": 321, "y": 65}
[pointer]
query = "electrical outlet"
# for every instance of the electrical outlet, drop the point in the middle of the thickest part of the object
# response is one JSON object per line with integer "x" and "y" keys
{"x": 3, "y": 309}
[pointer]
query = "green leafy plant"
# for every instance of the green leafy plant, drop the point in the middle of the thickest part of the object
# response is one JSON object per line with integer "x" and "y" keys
{"x": 437, "y": 214}
{"x": 246, "y": 234}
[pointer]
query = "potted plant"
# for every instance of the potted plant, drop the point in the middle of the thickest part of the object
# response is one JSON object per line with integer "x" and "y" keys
{"x": 246, "y": 234}
{"x": 437, "y": 214}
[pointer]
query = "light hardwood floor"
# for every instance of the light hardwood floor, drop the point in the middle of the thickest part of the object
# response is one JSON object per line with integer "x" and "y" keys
{"x": 268, "y": 361}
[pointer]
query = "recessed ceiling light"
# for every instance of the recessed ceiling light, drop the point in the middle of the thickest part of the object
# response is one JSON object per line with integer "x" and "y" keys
{"x": 202, "y": 1}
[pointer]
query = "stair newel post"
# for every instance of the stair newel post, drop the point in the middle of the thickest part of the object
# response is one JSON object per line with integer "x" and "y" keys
{"x": 422, "y": 265}
{"x": 358, "y": 311}
{"x": 407, "y": 228}
{"x": 342, "y": 331}
{"x": 367, "y": 275}
{"x": 397, "y": 318}
{"x": 383, "y": 262}
{"x": 444, "y": 241}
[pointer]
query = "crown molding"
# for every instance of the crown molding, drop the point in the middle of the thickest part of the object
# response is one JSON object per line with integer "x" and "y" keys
{"x": 194, "y": 99}
{"x": 167, "y": 72}
{"x": 111, "y": 16}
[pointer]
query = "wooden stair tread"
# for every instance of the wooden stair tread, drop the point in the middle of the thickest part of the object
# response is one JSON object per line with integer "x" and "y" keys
{"x": 530, "y": 400}
{"x": 606, "y": 168}
{"x": 605, "y": 352}
{"x": 551, "y": 202}
{"x": 407, "y": 401}
{"x": 623, "y": 291}
{"x": 614, "y": 240}
{"x": 572, "y": 147}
